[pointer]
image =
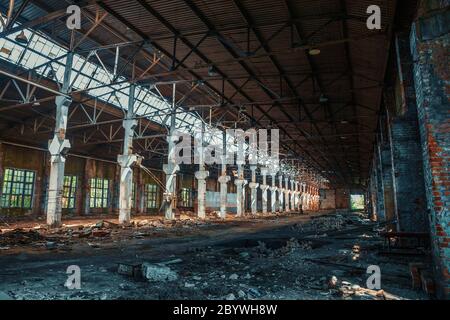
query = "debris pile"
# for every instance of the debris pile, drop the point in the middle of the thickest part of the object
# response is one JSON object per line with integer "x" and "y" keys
{"x": 155, "y": 272}
{"x": 291, "y": 246}
{"x": 323, "y": 224}
{"x": 20, "y": 237}
{"x": 348, "y": 290}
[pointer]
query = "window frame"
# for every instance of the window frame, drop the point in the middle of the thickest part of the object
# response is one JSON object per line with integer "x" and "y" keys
{"x": 153, "y": 193}
{"x": 13, "y": 184}
{"x": 186, "y": 198}
{"x": 72, "y": 192}
{"x": 95, "y": 190}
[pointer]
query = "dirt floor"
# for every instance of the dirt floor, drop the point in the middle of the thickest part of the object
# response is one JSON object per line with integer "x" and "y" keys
{"x": 321, "y": 255}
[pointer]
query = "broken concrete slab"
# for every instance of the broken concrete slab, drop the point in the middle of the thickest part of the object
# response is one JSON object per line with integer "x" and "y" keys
{"x": 156, "y": 272}
{"x": 131, "y": 270}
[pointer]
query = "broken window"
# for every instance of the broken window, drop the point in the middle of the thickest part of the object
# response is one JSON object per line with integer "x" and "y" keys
{"x": 99, "y": 193}
{"x": 151, "y": 196}
{"x": 69, "y": 192}
{"x": 18, "y": 188}
{"x": 357, "y": 201}
{"x": 186, "y": 197}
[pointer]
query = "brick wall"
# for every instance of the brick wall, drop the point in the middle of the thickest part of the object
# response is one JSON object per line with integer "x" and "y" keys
{"x": 384, "y": 153}
{"x": 429, "y": 44}
{"x": 408, "y": 180}
{"x": 327, "y": 199}
{"x": 379, "y": 188}
{"x": 342, "y": 199}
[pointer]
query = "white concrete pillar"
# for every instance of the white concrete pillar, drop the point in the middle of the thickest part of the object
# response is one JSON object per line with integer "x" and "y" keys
{"x": 223, "y": 180}
{"x": 201, "y": 176}
{"x": 308, "y": 197}
{"x": 264, "y": 187}
{"x": 126, "y": 160}
{"x": 302, "y": 196}
{"x": 171, "y": 168}
{"x": 58, "y": 148}
{"x": 286, "y": 194}
{"x": 254, "y": 192}
{"x": 273, "y": 199}
{"x": 297, "y": 195}
{"x": 240, "y": 182}
{"x": 280, "y": 193}
{"x": 292, "y": 192}
{"x": 244, "y": 195}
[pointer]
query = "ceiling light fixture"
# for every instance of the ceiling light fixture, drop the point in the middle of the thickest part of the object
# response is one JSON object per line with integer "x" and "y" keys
{"x": 323, "y": 99}
{"x": 212, "y": 71}
{"x": 314, "y": 51}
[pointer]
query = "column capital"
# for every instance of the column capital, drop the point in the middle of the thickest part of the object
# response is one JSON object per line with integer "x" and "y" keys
{"x": 201, "y": 174}
{"x": 253, "y": 185}
{"x": 224, "y": 179}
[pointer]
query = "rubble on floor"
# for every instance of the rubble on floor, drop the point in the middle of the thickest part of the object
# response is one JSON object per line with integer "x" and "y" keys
{"x": 288, "y": 262}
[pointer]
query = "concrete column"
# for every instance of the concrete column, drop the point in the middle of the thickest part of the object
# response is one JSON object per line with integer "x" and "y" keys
{"x": 292, "y": 191}
{"x": 201, "y": 176}
{"x": 223, "y": 180}
{"x": 286, "y": 194}
{"x": 240, "y": 182}
{"x": 280, "y": 193}
{"x": 253, "y": 187}
{"x": 126, "y": 160}
{"x": 296, "y": 193}
{"x": 264, "y": 187}
{"x": 307, "y": 196}
{"x": 273, "y": 199}
{"x": 171, "y": 168}
{"x": 244, "y": 203}
{"x": 58, "y": 148}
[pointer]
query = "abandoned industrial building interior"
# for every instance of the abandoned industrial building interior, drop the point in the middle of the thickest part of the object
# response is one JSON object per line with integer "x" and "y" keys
{"x": 224, "y": 150}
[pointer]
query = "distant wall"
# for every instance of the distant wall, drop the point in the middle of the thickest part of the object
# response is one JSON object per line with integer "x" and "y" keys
{"x": 327, "y": 199}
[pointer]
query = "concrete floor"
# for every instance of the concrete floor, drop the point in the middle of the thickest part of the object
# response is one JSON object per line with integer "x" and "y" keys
{"x": 251, "y": 258}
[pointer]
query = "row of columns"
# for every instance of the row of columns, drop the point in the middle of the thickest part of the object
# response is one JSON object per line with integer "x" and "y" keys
{"x": 293, "y": 196}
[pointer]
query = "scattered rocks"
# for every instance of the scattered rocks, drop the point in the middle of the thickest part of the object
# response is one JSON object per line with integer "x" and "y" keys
{"x": 230, "y": 296}
{"x": 20, "y": 237}
{"x": 124, "y": 287}
{"x": 234, "y": 276}
{"x": 254, "y": 292}
{"x": 244, "y": 254}
{"x": 154, "y": 272}
{"x": 131, "y": 270}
